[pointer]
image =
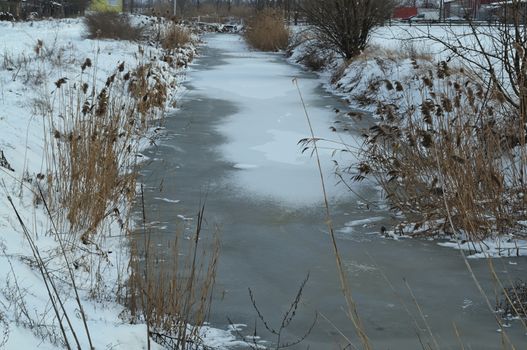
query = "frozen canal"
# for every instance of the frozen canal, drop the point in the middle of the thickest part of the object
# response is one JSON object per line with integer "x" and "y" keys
{"x": 233, "y": 145}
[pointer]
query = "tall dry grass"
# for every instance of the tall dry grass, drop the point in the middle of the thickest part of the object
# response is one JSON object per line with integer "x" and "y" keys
{"x": 93, "y": 141}
{"x": 112, "y": 25}
{"x": 267, "y": 32}
{"x": 457, "y": 154}
{"x": 173, "y": 294}
{"x": 175, "y": 37}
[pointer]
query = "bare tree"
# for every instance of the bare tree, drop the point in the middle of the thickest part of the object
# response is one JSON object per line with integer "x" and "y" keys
{"x": 345, "y": 25}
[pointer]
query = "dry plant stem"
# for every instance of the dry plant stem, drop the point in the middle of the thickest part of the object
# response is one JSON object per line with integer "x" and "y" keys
{"x": 338, "y": 330}
{"x": 345, "y": 287}
{"x": 68, "y": 266}
{"x": 458, "y": 336}
{"x": 505, "y": 292}
{"x": 173, "y": 298}
{"x": 469, "y": 267}
{"x": 430, "y": 333}
{"x": 406, "y": 309}
{"x": 48, "y": 282}
{"x": 147, "y": 249}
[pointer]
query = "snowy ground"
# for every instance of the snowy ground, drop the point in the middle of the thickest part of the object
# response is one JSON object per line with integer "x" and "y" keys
{"x": 33, "y": 57}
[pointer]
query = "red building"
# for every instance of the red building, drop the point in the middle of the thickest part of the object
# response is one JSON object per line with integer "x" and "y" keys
{"x": 404, "y": 13}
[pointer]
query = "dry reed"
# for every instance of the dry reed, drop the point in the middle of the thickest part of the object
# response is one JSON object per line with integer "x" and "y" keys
{"x": 173, "y": 296}
{"x": 458, "y": 149}
{"x": 267, "y": 32}
{"x": 174, "y": 37}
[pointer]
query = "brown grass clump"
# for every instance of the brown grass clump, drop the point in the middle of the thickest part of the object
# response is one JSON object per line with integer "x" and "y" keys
{"x": 112, "y": 25}
{"x": 267, "y": 32}
{"x": 175, "y": 37}
{"x": 453, "y": 163}
{"x": 172, "y": 294}
{"x": 93, "y": 143}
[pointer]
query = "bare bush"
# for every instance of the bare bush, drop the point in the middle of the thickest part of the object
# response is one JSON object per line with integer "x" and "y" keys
{"x": 267, "y": 32}
{"x": 345, "y": 25}
{"x": 112, "y": 25}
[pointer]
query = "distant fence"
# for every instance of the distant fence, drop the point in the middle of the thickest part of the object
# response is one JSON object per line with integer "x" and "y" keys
{"x": 442, "y": 23}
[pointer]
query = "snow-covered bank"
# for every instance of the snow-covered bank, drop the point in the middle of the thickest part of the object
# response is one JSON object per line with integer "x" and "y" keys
{"x": 41, "y": 64}
{"x": 416, "y": 88}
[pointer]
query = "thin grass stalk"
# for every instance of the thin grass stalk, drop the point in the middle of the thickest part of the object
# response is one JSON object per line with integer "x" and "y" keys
{"x": 414, "y": 299}
{"x": 458, "y": 336}
{"x": 146, "y": 306}
{"x": 54, "y": 296}
{"x": 469, "y": 267}
{"x": 68, "y": 267}
{"x": 345, "y": 287}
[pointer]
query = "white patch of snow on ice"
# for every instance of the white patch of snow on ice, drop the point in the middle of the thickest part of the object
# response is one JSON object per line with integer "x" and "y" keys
{"x": 167, "y": 200}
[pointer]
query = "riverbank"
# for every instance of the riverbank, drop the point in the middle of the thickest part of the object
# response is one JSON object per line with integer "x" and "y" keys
{"x": 415, "y": 87}
{"x": 56, "y": 88}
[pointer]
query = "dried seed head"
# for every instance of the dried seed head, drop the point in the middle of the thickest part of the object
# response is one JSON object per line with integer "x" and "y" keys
{"x": 439, "y": 111}
{"x": 426, "y": 139}
{"x": 428, "y": 82}
{"x": 490, "y": 111}
{"x": 86, "y": 64}
{"x": 102, "y": 107}
{"x": 443, "y": 70}
{"x": 110, "y": 80}
{"x": 470, "y": 92}
{"x": 86, "y": 108}
{"x": 446, "y": 103}
{"x": 60, "y": 82}
{"x": 426, "y": 109}
{"x": 38, "y": 47}
{"x": 457, "y": 101}
{"x": 479, "y": 92}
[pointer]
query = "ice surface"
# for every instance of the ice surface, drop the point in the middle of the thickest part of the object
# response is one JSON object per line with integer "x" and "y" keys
{"x": 270, "y": 123}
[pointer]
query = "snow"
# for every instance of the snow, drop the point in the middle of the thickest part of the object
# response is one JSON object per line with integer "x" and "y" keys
{"x": 167, "y": 200}
{"x": 491, "y": 247}
{"x": 27, "y": 85}
{"x": 262, "y": 137}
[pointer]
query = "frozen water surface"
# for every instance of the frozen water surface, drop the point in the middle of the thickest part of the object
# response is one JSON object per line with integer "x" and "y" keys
{"x": 233, "y": 145}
